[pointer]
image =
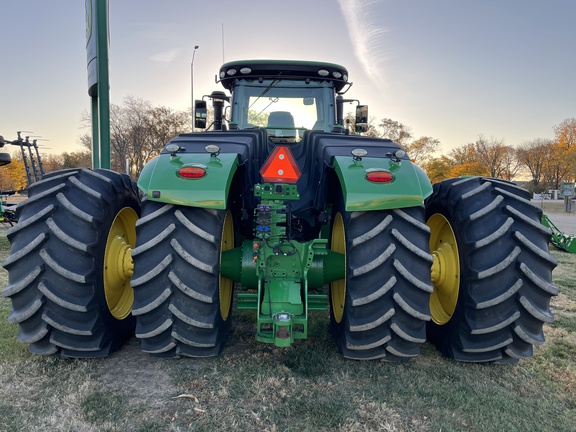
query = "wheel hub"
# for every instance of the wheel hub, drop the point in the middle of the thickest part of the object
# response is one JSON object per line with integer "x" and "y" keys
{"x": 445, "y": 270}
{"x": 226, "y": 285}
{"x": 124, "y": 266}
{"x": 338, "y": 287}
{"x": 118, "y": 264}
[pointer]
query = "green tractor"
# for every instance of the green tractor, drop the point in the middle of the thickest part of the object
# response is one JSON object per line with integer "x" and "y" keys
{"x": 281, "y": 210}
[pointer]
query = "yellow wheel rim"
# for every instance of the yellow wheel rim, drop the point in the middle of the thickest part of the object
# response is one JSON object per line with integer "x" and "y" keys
{"x": 445, "y": 269}
{"x": 226, "y": 285}
{"x": 118, "y": 264}
{"x": 338, "y": 288}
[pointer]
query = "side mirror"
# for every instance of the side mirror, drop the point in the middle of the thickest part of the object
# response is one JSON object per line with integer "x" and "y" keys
{"x": 200, "y": 113}
{"x": 361, "y": 118}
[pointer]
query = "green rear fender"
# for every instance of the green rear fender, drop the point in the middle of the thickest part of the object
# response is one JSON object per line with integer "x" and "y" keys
{"x": 160, "y": 181}
{"x": 409, "y": 188}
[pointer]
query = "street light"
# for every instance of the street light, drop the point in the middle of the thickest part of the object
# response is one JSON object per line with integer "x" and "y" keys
{"x": 192, "y": 84}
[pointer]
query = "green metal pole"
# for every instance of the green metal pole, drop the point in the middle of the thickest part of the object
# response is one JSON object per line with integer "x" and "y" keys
{"x": 98, "y": 82}
{"x": 103, "y": 84}
{"x": 95, "y": 137}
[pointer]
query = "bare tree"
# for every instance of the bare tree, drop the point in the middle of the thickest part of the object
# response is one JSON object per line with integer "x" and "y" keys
{"x": 161, "y": 125}
{"x": 86, "y": 141}
{"x": 423, "y": 149}
{"x": 138, "y": 132}
{"x": 491, "y": 153}
{"x": 128, "y": 131}
{"x": 497, "y": 159}
{"x": 396, "y": 131}
{"x": 533, "y": 155}
{"x": 510, "y": 163}
{"x": 350, "y": 123}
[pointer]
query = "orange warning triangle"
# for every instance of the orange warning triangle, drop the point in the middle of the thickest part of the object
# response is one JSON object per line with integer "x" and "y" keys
{"x": 280, "y": 167}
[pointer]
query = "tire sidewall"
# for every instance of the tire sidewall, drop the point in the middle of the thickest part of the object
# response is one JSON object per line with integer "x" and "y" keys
{"x": 442, "y": 334}
{"x": 122, "y": 195}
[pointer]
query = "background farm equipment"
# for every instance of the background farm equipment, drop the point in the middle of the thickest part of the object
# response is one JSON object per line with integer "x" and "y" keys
{"x": 33, "y": 167}
{"x": 7, "y": 211}
{"x": 559, "y": 239}
{"x": 7, "y": 215}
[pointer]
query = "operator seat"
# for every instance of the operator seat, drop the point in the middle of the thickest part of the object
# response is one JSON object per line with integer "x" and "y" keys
{"x": 281, "y": 119}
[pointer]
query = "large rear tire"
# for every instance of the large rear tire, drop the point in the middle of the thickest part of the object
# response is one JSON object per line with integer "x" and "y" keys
{"x": 74, "y": 225}
{"x": 182, "y": 304}
{"x": 492, "y": 271}
{"x": 380, "y": 310}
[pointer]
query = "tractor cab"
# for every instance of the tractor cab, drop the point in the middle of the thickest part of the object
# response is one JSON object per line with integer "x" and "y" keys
{"x": 286, "y": 98}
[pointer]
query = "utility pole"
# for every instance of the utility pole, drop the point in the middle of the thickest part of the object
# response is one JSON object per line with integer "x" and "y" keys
{"x": 192, "y": 85}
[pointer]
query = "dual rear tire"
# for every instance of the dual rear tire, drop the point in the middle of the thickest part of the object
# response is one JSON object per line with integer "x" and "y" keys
{"x": 69, "y": 266}
{"x": 85, "y": 272}
{"x": 471, "y": 273}
{"x": 182, "y": 304}
{"x": 492, "y": 271}
{"x": 380, "y": 310}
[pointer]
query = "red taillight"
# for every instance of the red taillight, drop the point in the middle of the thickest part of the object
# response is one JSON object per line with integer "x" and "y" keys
{"x": 379, "y": 176}
{"x": 192, "y": 172}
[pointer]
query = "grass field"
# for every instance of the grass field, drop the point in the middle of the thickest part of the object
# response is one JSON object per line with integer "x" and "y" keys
{"x": 307, "y": 387}
{"x": 553, "y": 206}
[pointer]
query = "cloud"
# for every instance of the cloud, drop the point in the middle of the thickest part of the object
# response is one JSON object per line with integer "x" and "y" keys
{"x": 365, "y": 34}
{"x": 166, "y": 56}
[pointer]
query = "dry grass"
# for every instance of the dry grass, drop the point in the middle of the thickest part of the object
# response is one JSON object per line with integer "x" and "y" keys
{"x": 552, "y": 206}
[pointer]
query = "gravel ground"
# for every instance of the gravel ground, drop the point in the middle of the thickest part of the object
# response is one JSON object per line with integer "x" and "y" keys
{"x": 565, "y": 222}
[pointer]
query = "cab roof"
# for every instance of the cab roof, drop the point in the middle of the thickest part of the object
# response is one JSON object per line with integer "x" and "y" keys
{"x": 283, "y": 69}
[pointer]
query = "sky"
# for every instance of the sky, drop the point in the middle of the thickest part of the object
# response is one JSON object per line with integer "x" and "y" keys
{"x": 448, "y": 69}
